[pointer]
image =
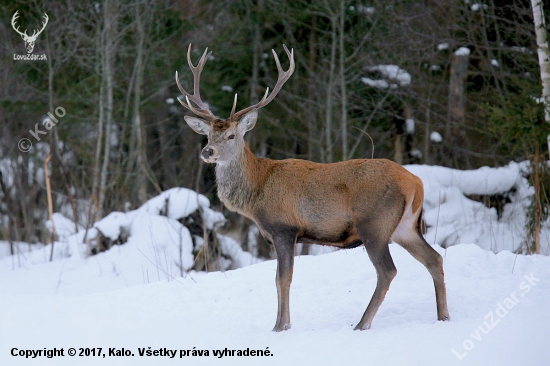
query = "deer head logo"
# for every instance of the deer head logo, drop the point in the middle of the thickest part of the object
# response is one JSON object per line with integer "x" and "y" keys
{"x": 29, "y": 40}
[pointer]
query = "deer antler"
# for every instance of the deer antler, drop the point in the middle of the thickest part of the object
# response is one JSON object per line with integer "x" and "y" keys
{"x": 36, "y": 33}
{"x": 283, "y": 77}
{"x": 13, "y": 19}
{"x": 203, "y": 109}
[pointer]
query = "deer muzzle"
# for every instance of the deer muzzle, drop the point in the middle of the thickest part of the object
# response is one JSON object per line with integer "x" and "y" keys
{"x": 209, "y": 154}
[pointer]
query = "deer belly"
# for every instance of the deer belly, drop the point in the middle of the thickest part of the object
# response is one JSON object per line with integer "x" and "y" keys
{"x": 347, "y": 238}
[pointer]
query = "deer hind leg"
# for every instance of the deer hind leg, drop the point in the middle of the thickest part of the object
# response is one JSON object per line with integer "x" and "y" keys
{"x": 413, "y": 241}
{"x": 376, "y": 244}
{"x": 284, "y": 247}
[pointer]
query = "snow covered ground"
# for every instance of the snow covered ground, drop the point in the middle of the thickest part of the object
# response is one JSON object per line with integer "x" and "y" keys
{"x": 498, "y": 304}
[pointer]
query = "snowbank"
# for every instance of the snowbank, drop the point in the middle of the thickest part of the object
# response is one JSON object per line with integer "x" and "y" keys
{"x": 64, "y": 227}
{"x": 154, "y": 246}
{"x": 453, "y": 218}
{"x": 175, "y": 203}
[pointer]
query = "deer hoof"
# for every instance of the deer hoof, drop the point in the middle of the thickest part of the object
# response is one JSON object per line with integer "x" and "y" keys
{"x": 281, "y": 328}
{"x": 445, "y": 318}
{"x": 364, "y": 327}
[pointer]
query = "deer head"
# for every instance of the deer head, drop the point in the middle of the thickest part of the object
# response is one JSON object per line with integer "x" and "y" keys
{"x": 225, "y": 137}
{"x": 29, "y": 40}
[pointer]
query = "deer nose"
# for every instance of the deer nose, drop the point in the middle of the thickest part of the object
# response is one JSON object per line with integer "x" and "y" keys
{"x": 207, "y": 152}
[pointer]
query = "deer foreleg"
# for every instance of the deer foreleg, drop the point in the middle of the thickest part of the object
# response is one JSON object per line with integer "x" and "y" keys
{"x": 284, "y": 247}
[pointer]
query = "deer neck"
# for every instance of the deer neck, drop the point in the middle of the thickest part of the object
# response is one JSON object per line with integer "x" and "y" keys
{"x": 239, "y": 180}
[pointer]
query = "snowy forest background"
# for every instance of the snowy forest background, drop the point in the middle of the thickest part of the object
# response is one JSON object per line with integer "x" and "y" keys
{"x": 436, "y": 83}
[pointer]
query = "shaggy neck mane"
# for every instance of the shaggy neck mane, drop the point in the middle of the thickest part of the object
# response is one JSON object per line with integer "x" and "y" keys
{"x": 239, "y": 180}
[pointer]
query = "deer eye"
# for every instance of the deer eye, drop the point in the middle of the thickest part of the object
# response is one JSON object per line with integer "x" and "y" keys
{"x": 231, "y": 137}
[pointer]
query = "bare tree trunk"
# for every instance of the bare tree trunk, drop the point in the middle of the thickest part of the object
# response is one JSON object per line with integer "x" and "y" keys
{"x": 63, "y": 170}
{"x": 254, "y": 82}
{"x": 50, "y": 154}
{"x": 167, "y": 161}
{"x": 255, "y": 66}
{"x": 312, "y": 90}
{"x": 328, "y": 156}
{"x": 343, "y": 91}
{"x": 110, "y": 15}
{"x": 11, "y": 220}
{"x": 538, "y": 207}
{"x": 94, "y": 206}
{"x": 49, "y": 195}
{"x": 544, "y": 57}
{"x": 137, "y": 129}
{"x": 454, "y": 133}
{"x": 27, "y": 206}
{"x": 427, "y": 132}
{"x": 459, "y": 67}
{"x": 398, "y": 148}
{"x": 255, "y": 12}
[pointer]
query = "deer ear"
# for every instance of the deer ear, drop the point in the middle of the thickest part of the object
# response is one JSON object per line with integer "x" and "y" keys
{"x": 198, "y": 125}
{"x": 248, "y": 121}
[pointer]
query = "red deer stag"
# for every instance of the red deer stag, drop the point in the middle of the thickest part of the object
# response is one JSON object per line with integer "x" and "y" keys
{"x": 343, "y": 204}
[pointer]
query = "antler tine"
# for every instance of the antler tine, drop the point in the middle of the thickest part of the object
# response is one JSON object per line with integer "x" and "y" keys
{"x": 233, "y": 109}
{"x": 282, "y": 78}
{"x": 189, "y": 58}
{"x": 182, "y": 91}
{"x": 198, "y": 113}
{"x": 44, "y": 23}
{"x": 203, "y": 109}
{"x": 285, "y": 74}
{"x": 261, "y": 103}
{"x": 13, "y": 19}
